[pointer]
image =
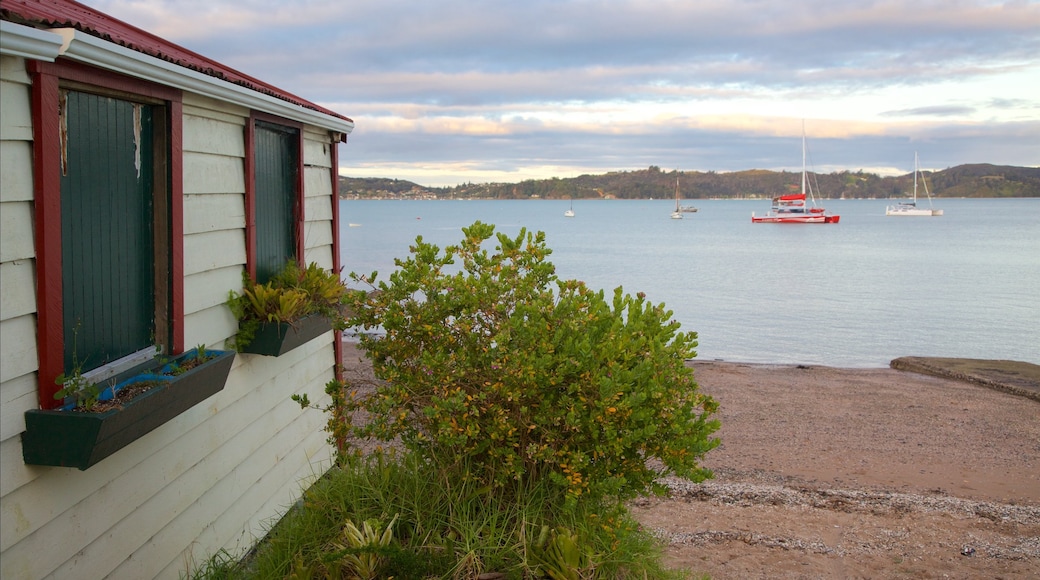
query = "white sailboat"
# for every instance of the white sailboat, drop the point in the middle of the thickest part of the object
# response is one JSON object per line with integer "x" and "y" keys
{"x": 570, "y": 210}
{"x": 909, "y": 208}
{"x": 677, "y": 214}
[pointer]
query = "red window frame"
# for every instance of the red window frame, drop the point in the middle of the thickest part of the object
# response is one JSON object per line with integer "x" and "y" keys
{"x": 46, "y": 78}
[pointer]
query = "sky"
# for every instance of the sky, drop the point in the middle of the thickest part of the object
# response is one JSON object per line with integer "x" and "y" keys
{"x": 469, "y": 91}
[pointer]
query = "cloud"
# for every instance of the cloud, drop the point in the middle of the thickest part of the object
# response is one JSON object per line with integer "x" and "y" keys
{"x": 936, "y": 111}
{"x": 460, "y": 88}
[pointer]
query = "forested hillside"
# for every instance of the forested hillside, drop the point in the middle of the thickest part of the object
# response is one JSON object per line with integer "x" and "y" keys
{"x": 977, "y": 180}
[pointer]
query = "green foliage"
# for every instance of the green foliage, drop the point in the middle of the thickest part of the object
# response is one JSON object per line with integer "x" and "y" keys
{"x": 559, "y": 556}
{"x": 292, "y": 294}
{"x": 490, "y": 361}
{"x": 447, "y": 529}
{"x": 85, "y": 395}
{"x": 360, "y": 548}
{"x": 200, "y": 356}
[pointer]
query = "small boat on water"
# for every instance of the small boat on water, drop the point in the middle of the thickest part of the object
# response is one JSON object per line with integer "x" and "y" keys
{"x": 909, "y": 207}
{"x": 680, "y": 209}
{"x": 792, "y": 209}
{"x": 570, "y": 210}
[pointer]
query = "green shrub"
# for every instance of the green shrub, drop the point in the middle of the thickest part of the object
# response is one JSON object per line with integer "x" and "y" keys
{"x": 490, "y": 361}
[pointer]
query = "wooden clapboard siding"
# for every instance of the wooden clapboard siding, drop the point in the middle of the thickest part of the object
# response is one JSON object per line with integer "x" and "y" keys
{"x": 318, "y": 213}
{"x": 269, "y": 442}
{"x": 317, "y": 234}
{"x": 210, "y": 288}
{"x": 317, "y": 154}
{"x": 15, "y": 185}
{"x": 212, "y": 250}
{"x": 255, "y": 481}
{"x": 201, "y": 106}
{"x": 211, "y": 326}
{"x": 18, "y": 355}
{"x": 17, "y": 289}
{"x": 16, "y": 124}
{"x": 204, "y": 134}
{"x": 17, "y": 230}
{"x": 317, "y": 182}
{"x": 15, "y": 475}
{"x": 212, "y": 174}
{"x": 221, "y": 475}
{"x": 17, "y": 396}
{"x": 319, "y": 209}
{"x": 320, "y": 255}
{"x": 212, "y": 212}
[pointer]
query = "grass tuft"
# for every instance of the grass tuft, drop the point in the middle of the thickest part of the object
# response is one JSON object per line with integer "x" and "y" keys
{"x": 445, "y": 527}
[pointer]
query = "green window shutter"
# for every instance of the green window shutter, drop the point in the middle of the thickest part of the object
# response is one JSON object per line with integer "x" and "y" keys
{"x": 107, "y": 229}
{"x": 277, "y": 159}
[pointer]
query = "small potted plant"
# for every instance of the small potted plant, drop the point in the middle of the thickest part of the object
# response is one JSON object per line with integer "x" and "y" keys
{"x": 100, "y": 418}
{"x": 294, "y": 307}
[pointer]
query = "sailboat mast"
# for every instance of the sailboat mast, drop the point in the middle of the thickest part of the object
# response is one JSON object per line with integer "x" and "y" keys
{"x": 803, "y": 157}
{"x": 916, "y": 171}
{"x": 676, "y": 194}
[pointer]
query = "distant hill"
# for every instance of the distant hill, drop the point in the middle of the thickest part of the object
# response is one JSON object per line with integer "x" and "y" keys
{"x": 975, "y": 180}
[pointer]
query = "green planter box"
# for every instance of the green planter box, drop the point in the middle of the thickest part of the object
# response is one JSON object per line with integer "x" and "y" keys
{"x": 68, "y": 438}
{"x": 276, "y": 339}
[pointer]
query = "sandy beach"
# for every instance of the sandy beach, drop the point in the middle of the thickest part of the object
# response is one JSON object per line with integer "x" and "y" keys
{"x": 854, "y": 473}
{"x": 858, "y": 473}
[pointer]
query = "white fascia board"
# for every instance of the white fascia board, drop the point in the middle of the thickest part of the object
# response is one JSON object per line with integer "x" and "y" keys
{"x": 28, "y": 42}
{"x": 91, "y": 50}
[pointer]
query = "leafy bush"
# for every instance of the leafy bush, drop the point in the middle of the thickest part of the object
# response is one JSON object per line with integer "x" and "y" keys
{"x": 496, "y": 364}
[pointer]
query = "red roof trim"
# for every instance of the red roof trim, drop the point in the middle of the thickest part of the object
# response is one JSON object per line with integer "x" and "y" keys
{"x": 69, "y": 14}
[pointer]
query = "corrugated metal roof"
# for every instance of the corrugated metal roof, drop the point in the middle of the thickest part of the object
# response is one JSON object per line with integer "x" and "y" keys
{"x": 69, "y": 14}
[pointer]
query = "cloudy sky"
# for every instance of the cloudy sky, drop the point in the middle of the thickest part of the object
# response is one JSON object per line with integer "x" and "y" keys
{"x": 454, "y": 91}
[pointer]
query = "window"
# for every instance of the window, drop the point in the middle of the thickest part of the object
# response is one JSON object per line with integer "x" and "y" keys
{"x": 112, "y": 215}
{"x": 274, "y": 195}
{"x": 108, "y": 215}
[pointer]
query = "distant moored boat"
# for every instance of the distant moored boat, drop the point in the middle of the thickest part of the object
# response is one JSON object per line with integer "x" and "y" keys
{"x": 791, "y": 209}
{"x": 909, "y": 208}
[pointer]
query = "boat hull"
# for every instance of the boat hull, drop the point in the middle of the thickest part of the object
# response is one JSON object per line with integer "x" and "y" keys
{"x": 911, "y": 211}
{"x": 795, "y": 219}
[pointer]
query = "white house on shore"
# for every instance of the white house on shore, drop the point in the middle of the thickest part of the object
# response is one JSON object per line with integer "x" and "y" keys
{"x": 138, "y": 181}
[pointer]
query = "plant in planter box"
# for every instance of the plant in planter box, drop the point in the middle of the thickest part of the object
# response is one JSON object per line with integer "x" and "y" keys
{"x": 99, "y": 419}
{"x": 295, "y": 306}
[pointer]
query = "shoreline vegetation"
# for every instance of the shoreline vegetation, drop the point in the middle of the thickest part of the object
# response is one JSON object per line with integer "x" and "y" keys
{"x": 975, "y": 180}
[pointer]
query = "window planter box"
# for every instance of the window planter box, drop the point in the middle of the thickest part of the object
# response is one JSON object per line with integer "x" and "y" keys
{"x": 68, "y": 438}
{"x": 276, "y": 339}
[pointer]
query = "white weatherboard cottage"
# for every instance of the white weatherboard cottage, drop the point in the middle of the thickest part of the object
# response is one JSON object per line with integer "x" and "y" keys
{"x": 219, "y": 174}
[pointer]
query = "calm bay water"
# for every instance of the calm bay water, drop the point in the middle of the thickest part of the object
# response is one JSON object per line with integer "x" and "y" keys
{"x": 855, "y": 294}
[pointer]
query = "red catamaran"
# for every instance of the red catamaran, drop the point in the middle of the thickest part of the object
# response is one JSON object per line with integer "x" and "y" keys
{"x": 791, "y": 209}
